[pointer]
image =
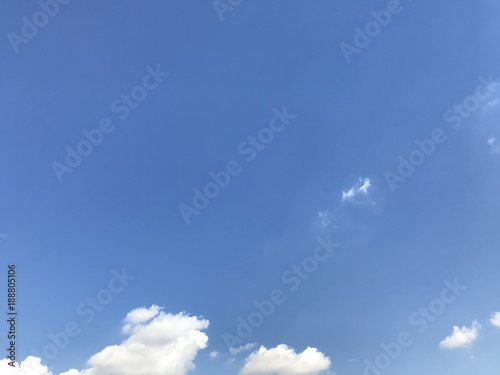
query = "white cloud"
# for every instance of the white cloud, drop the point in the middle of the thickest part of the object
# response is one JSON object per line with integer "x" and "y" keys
{"x": 324, "y": 217}
{"x": 461, "y": 336}
{"x": 30, "y": 366}
{"x": 139, "y": 316}
{"x": 167, "y": 345}
{"x": 495, "y": 319}
{"x": 160, "y": 343}
{"x": 242, "y": 348}
{"x": 494, "y": 145}
{"x": 360, "y": 188}
{"x": 283, "y": 360}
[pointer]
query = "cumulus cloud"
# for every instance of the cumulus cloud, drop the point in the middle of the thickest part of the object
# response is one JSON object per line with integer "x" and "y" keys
{"x": 30, "y": 366}
{"x": 138, "y": 316}
{"x": 242, "y": 348}
{"x": 495, "y": 319}
{"x": 360, "y": 188}
{"x": 160, "y": 343}
{"x": 167, "y": 344}
{"x": 461, "y": 337}
{"x": 283, "y": 360}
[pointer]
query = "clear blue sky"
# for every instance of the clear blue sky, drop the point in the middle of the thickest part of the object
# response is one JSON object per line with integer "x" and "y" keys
{"x": 337, "y": 126}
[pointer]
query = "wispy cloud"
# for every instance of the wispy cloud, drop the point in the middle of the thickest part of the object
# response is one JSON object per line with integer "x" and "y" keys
{"x": 461, "y": 337}
{"x": 324, "y": 218}
{"x": 494, "y": 145}
{"x": 359, "y": 188}
{"x": 242, "y": 348}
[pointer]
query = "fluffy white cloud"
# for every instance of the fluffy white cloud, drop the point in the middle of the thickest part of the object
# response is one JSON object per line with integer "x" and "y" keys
{"x": 30, "y": 366}
{"x": 139, "y": 316}
{"x": 495, "y": 319}
{"x": 360, "y": 188}
{"x": 461, "y": 336}
{"x": 164, "y": 344}
{"x": 160, "y": 343}
{"x": 283, "y": 360}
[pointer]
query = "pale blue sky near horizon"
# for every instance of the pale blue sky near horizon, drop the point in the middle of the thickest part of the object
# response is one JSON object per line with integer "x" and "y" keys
{"x": 119, "y": 207}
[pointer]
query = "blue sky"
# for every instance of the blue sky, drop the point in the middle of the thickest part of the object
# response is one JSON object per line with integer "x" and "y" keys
{"x": 333, "y": 157}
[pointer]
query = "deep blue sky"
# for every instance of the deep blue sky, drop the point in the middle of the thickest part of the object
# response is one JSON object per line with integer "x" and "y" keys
{"x": 119, "y": 207}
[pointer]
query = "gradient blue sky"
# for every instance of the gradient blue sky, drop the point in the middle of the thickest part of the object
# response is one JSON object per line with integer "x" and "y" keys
{"x": 119, "y": 208}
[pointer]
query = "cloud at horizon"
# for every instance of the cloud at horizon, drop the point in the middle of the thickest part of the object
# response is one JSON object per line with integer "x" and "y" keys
{"x": 172, "y": 341}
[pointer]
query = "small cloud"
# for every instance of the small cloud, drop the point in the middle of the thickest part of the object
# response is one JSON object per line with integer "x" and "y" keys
{"x": 461, "y": 337}
{"x": 329, "y": 218}
{"x": 360, "y": 188}
{"x": 283, "y": 360}
{"x": 495, "y": 319}
{"x": 494, "y": 145}
{"x": 214, "y": 354}
{"x": 242, "y": 348}
{"x": 324, "y": 218}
